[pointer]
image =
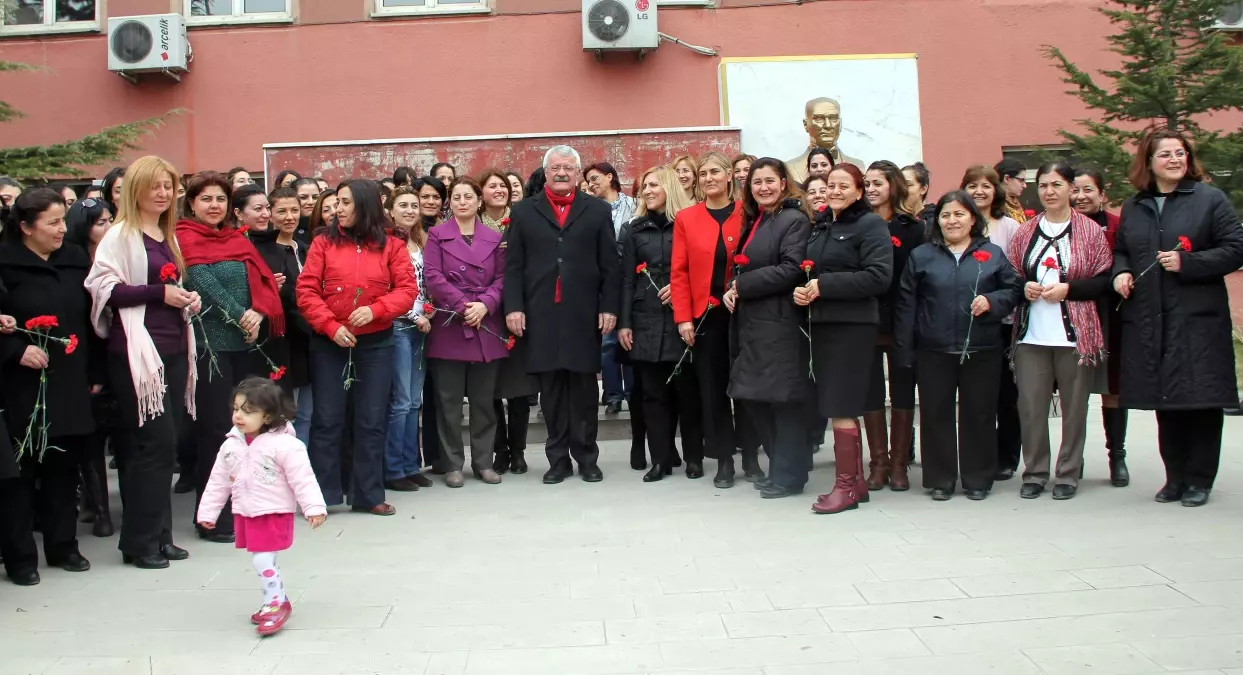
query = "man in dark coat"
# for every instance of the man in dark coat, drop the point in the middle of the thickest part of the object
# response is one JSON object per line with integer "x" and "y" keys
{"x": 561, "y": 293}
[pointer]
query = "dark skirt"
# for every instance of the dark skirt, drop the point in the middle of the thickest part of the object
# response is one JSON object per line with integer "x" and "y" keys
{"x": 513, "y": 380}
{"x": 842, "y": 358}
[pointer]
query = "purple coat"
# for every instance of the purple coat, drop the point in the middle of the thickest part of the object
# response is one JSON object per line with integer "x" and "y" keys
{"x": 456, "y": 273}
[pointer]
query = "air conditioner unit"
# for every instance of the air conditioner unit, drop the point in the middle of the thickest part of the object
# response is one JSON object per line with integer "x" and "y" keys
{"x": 153, "y": 43}
{"x": 1231, "y": 18}
{"x": 619, "y": 25}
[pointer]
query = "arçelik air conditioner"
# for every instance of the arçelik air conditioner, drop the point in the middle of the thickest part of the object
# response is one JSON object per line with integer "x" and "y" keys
{"x": 153, "y": 43}
{"x": 1231, "y": 18}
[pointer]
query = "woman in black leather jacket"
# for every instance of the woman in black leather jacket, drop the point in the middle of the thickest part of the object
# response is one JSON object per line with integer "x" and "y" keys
{"x": 954, "y": 293}
{"x": 852, "y": 259}
{"x": 647, "y": 332}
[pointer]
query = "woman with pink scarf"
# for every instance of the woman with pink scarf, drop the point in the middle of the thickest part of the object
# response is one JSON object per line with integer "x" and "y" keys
{"x": 144, "y": 316}
{"x": 1063, "y": 260}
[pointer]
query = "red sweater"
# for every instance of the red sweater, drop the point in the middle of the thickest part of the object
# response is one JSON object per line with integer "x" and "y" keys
{"x": 695, "y": 236}
{"x": 337, "y": 278}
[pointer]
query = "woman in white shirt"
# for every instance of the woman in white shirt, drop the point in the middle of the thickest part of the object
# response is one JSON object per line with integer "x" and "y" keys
{"x": 1064, "y": 261}
{"x": 401, "y": 449}
{"x": 984, "y": 186}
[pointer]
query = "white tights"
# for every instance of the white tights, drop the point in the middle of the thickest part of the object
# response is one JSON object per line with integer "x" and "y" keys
{"x": 270, "y": 575}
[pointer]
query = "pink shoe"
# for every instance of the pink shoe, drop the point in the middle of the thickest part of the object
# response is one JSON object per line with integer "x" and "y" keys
{"x": 255, "y": 618}
{"x": 270, "y": 623}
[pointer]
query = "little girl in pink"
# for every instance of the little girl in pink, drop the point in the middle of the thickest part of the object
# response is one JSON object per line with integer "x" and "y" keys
{"x": 264, "y": 468}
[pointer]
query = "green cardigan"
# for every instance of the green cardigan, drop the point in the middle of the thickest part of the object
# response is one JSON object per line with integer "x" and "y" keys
{"x": 225, "y": 293}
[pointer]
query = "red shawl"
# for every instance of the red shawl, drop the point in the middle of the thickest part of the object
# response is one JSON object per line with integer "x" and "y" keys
{"x": 1089, "y": 256}
{"x": 203, "y": 245}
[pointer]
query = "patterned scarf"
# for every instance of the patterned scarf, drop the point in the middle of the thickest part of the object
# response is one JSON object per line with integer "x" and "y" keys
{"x": 1089, "y": 256}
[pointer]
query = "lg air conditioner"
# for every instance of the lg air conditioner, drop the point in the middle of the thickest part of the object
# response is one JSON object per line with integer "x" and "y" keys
{"x": 1231, "y": 18}
{"x": 154, "y": 43}
{"x": 619, "y": 25}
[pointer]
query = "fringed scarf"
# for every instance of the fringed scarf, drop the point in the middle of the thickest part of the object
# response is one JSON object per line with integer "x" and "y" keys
{"x": 1089, "y": 256}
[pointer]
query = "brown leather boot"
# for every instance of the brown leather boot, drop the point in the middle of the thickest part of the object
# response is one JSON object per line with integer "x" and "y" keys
{"x": 900, "y": 453}
{"x": 846, "y": 494}
{"x": 878, "y": 445}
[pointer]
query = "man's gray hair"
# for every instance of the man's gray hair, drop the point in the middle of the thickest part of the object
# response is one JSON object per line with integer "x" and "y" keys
{"x": 562, "y": 151}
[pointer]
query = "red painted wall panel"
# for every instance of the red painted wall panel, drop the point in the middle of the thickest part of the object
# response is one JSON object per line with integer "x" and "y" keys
{"x": 630, "y": 153}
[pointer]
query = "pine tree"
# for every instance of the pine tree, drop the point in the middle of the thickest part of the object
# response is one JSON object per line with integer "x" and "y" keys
{"x": 39, "y": 162}
{"x": 1175, "y": 71}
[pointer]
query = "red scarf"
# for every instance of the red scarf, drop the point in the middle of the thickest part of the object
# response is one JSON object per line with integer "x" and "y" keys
{"x": 202, "y": 245}
{"x": 560, "y": 204}
{"x": 561, "y": 209}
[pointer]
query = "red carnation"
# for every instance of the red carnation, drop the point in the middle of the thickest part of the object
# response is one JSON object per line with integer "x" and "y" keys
{"x": 168, "y": 273}
{"x": 45, "y": 321}
{"x": 72, "y": 344}
{"x": 1029, "y": 213}
{"x": 742, "y": 260}
{"x": 1050, "y": 263}
{"x": 429, "y": 310}
{"x": 822, "y": 207}
{"x": 713, "y": 302}
{"x": 1184, "y": 244}
{"x": 505, "y": 221}
{"x": 641, "y": 268}
{"x": 982, "y": 256}
{"x": 510, "y": 342}
{"x": 278, "y": 373}
{"x": 897, "y": 243}
{"x": 807, "y": 266}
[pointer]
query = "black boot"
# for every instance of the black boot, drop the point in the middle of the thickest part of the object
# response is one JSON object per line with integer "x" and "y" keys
{"x": 518, "y": 461}
{"x": 1115, "y": 441}
{"x": 724, "y": 472}
{"x": 501, "y": 461}
{"x": 95, "y": 493}
{"x": 751, "y": 465}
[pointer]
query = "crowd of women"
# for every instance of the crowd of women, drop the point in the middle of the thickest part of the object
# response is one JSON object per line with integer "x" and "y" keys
{"x": 757, "y": 315}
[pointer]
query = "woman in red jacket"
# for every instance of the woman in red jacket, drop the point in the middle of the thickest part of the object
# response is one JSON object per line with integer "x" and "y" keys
{"x": 705, "y": 237}
{"x": 356, "y": 280}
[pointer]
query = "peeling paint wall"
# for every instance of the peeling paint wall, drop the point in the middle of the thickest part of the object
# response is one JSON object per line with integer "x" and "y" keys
{"x": 629, "y": 153}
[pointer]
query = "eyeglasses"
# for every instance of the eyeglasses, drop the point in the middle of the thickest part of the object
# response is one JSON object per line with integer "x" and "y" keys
{"x": 563, "y": 168}
{"x": 1166, "y": 155}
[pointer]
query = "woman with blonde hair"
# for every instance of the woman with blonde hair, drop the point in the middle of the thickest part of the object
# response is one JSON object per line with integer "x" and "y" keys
{"x": 687, "y": 171}
{"x": 647, "y": 331}
{"x": 705, "y": 238}
{"x": 152, "y": 371}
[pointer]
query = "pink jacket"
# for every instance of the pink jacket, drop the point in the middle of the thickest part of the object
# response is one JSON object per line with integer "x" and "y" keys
{"x": 270, "y": 475}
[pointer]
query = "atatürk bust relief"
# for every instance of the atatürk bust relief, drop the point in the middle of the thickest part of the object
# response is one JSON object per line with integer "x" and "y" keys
{"x": 822, "y": 120}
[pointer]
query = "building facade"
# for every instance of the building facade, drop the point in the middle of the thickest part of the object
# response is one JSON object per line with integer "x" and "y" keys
{"x": 305, "y": 72}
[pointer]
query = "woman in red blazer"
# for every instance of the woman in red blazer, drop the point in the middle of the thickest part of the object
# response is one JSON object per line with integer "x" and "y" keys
{"x": 356, "y": 280}
{"x": 705, "y": 238}
{"x": 1088, "y": 197}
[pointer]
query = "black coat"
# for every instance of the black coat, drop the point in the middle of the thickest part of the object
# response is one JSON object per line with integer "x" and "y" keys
{"x": 648, "y": 239}
{"x": 291, "y": 350}
{"x": 1176, "y": 345}
{"x": 933, "y": 309}
{"x": 38, "y": 287}
{"x": 8, "y": 460}
{"x": 854, "y": 262}
{"x": 910, "y": 232}
{"x": 767, "y": 328}
{"x": 583, "y": 255}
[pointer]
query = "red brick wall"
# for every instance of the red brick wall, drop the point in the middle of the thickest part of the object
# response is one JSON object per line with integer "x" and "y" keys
{"x": 1234, "y": 283}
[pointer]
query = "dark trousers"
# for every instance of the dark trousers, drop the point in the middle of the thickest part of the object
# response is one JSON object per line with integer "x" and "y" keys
{"x": 55, "y": 503}
{"x": 370, "y": 391}
{"x": 476, "y": 382}
{"x": 569, "y": 403}
{"x": 1009, "y": 434}
{"x": 710, "y": 360}
{"x": 1190, "y": 444}
{"x": 616, "y": 378}
{"x": 146, "y": 456}
{"x": 511, "y": 433}
{"x": 783, "y": 428}
{"x": 664, "y": 405}
{"x": 970, "y": 445}
{"x": 430, "y": 432}
{"x": 213, "y": 402}
{"x": 638, "y": 420}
